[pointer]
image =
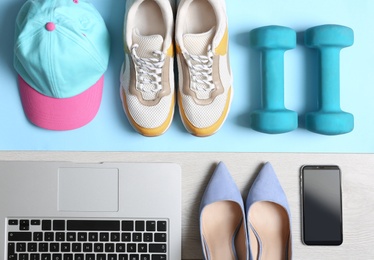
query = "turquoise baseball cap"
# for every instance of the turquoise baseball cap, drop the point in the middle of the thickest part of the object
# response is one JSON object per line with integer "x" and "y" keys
{"x": 61, "y": 53}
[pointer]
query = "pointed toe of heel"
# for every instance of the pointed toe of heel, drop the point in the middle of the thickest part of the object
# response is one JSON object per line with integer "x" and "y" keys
{"x": 222, "y": 219}
{"x": 268, "y": 218}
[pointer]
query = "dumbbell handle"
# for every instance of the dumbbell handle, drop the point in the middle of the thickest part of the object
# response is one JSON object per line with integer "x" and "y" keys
{"x": 329, "y": 87}
{"x": 272, "y": 79}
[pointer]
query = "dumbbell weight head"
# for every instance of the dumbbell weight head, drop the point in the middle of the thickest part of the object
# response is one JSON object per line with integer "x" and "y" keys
{"x": 329, "y": 122}
{"x": 274, "y": 121}
{"x": 329, "y": 35}
{"x": 273, "y": 37}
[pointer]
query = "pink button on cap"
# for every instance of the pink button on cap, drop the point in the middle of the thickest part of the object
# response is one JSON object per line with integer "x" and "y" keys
{"x": 50, "y": 26}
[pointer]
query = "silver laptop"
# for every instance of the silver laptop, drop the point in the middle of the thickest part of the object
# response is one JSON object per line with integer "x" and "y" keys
{"x": 105, "y": 211}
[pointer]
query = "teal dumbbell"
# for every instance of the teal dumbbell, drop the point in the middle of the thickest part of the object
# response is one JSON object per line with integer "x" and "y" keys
{"x": 273, "y": 41}
{"x": 329, "y": 40}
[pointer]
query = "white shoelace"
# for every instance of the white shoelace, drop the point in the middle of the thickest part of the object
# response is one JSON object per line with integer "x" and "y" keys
{"x": 149, "y": 70}
{"x": 201, "y": 70}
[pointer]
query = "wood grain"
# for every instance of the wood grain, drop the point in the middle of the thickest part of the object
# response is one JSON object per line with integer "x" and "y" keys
{"x": 357, "y": 181}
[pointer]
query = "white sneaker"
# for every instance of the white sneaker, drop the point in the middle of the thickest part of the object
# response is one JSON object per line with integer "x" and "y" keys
{"x": 147, "y": 77}
{"x": 205, "y": 80}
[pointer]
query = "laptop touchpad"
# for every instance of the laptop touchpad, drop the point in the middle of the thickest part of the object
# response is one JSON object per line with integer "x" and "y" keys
{"x": 87, "y": 189}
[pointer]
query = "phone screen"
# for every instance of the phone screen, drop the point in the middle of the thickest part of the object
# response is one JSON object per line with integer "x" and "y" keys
{"x": 321, "y": 205}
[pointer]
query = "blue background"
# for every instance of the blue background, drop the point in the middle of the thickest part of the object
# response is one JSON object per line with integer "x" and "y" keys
{"x": 110, "y": 130}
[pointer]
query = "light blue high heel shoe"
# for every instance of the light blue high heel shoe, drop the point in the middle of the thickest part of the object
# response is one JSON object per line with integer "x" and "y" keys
{"x": 268, "y": 218}
{"x": 222, "y": 219}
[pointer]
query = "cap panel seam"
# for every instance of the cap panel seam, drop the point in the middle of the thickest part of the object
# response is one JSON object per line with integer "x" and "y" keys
{"x": 21, "y": 60}
{"x": 93, "y": 55}
{"x": 51, "y": 71}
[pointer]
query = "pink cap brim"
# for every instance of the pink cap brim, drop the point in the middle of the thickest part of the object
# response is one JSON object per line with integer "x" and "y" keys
{"x": 61, "y": 113}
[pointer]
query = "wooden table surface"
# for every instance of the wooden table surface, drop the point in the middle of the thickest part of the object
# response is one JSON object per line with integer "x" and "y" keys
{"x": 357, "y": 182}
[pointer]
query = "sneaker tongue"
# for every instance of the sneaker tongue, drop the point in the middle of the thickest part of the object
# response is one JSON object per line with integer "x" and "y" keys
{"x": 147, "y": 44}
{"x": 197, "y": 44}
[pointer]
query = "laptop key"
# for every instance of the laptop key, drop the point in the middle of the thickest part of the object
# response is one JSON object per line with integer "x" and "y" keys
{"x": 145, "y": 257}
{"x": 58, "y": 224}
{"x": 148, "y": 237}
{"x": 68, "y": 257}
{"x": 109, "y": 247}
{"x": 46, "y": 257}
{"x": 87, "y": 247}
{"x": 82, "y": 236}
{"x": 161, "y": 225}
{"x": 19, "y": 236}
{"x": 136, "y": 237}
{"x": 114, "y": 237}
{"x": 43, "y": 247}
{"x": 92, "y": 236}
{"x": 160, "y": 237}
{"x": 139, "y": 225}
{"x": 78, "y": 257}
{"x": 13, "y": 222}
{"x": 127, "y": 225}
{"x": 12, "y": 256}
{"x": 98, "y": 247}
{"x": 35, "y": 222}
{"x": 134, "y": 257}
{"x": 65, "y": 247}
{"x": 142, "y": 248}
{"x": 38, "y": 236}
{"x": 131, "y": 247}
{"x": 101, "y": 257}
{"x": 121, "y": 247}
{"x": 151, "y": 225}
{"x": 11, "y": 248}
{"x": 57, "y": 257}
{"x": 90, "y": 257}
{"x": 76, "y": 247}
{"x": 71, "y": 236}
{"x": 49, "y": 236}
{"x": 60, "y": 236}
{"x": 157, "y": 248}
{"x": 23, "y": 257}
{"x": 158, "y": 257}
{"x": 123, "y": 257}
{"x": 21, "y": 247}
{"x": 35, "y": 257}
{"x": 54, "y": 247}
{"x": 32, "y": 247}
{"x": 104, "y": 236}
{"x": 126, "y": 237}
{"x": 93, "y": 225}
{"x": 24, "y": 224}
{"x": 46, "y": 224}
{"x": 112, "y": 257}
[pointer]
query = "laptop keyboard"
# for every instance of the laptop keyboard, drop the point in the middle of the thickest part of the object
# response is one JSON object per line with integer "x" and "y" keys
{"x": 77, "y": 239}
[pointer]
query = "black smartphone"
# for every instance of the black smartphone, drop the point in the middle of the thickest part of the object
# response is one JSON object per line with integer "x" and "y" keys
{"x": 322, "y": 214}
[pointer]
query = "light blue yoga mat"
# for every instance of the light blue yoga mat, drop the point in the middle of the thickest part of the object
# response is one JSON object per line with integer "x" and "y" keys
{"x": 110, "y": 130}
